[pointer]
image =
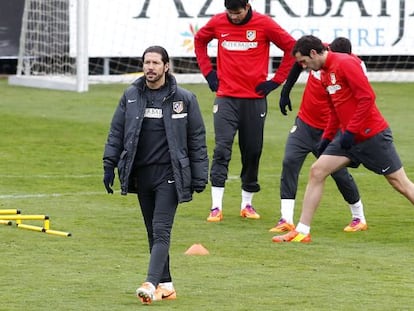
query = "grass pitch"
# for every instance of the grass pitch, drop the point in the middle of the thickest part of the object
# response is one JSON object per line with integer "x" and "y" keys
{"x": 51, "y": 163}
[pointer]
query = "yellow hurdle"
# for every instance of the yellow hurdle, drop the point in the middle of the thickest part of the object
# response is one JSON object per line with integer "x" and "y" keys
{"x": 6, "y": 215}
{"x": 19, "y": 217}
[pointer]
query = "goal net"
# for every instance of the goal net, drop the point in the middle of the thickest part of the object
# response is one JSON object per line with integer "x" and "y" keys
{"x": 51, "y": 53}
{"x": 68, "y": 44}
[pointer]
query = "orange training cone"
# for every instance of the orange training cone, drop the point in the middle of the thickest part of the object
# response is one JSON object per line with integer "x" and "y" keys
{"x": 197, "y": 249}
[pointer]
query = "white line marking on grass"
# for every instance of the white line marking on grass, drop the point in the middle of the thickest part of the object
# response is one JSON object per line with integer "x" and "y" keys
{"x": 51, "y": 176}
{"x": 52, "y": 195}
{"x": 47, "y": 195}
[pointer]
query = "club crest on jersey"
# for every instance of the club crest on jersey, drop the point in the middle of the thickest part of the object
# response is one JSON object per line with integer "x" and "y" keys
{"x": 251, "y": 35}
{"x": 178, "y": 106}
{"x": 333, "y": 78}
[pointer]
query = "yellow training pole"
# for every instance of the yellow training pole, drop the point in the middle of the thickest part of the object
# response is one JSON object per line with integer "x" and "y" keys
{"x": 56, "y": 232}
{"x": 46, "y": 224}
{"x": 5, "y": 222}
{"x": 9, "y": 211}
{"x": 30, "y": 227}
{"x": 41, "y": 229}
{"x": 24, "y": 217}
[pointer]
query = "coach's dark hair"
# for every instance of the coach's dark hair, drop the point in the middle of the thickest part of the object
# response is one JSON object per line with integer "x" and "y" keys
{"x": 307, "y": 43}
{"x": 157, "y": 49}
{"x": 341, "y": 45}
{"x": 235, "y": 4}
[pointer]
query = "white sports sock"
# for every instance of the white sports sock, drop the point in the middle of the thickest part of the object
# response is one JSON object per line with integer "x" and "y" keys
{"x": 301, "y": 228}
{"x": 167, "y": 285}
{"x": 152, "y": 287}
{"x": 247, "y": 198}
{"x": 357, "y": 210}
{"x": 217, "y": 197}
{"x": 287, "y": 207}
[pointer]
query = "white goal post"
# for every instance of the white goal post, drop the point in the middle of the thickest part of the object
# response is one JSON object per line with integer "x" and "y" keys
{"x": 44, "y": 59}
{"x": 68, "y": 44}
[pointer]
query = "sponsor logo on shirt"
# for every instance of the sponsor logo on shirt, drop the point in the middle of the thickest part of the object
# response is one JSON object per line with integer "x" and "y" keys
{"x": 332, "y": 89}
{"x": 179, "y": 115}
{"x": 153, "y": 113}
{"x": 238, "y": 45}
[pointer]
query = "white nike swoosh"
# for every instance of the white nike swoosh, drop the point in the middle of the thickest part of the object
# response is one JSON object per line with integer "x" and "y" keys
{"x": 170, "y": 181}
{"x": 224, "y": 35}
{"x": 262, "y": 115}
{"x": 131, "y": 101}
{"x": 385, "y": 169}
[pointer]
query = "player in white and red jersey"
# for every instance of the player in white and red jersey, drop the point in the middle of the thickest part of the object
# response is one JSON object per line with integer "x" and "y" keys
{"x": 240, "y": 82}
{"x": 365, "y": 137}
{"x": 304, "y": 138}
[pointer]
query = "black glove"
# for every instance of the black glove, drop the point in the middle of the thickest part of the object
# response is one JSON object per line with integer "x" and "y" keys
{"x": 283, "y": 103}
{"x": 347, "y": 140}
{"x": 212, "y": 80}
{"x": 264, "y": 88}
{"x": 108, "y": 180}
{"x": 322, "y": 145}
{"x": 199, "y": 189}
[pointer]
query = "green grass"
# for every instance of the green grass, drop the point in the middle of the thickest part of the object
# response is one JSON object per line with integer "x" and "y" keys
{"x": 50, "y": 163}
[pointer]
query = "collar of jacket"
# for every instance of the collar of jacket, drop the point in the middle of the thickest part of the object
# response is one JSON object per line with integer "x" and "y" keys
{"x": 170, "y": 79}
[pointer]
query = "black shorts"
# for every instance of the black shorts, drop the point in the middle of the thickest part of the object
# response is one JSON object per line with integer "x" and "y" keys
{"x": 378, "y": 154}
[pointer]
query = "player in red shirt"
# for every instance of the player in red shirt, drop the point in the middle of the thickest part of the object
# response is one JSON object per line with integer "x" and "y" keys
{"x": 240, "y": 82}
{"x": 365, "y": 136}
{"x": 304, "y": 138}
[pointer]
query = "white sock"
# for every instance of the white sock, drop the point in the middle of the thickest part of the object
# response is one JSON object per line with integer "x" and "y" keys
{"x": 151, "y": 285}
{"x": 357, "y": 210}
{"x": 301, "y": 228}
{"x": 247, "y": 198}
{"x": 167, "y": 285}
{"x": 287, "y": 207}
{"x": 217, "y": 197}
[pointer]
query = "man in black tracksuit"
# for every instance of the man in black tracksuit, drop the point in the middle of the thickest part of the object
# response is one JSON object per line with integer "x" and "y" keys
{"x": 157, "y": 141}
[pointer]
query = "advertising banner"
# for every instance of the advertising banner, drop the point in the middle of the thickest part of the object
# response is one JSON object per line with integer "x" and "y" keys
{"x": 124, "y": 28}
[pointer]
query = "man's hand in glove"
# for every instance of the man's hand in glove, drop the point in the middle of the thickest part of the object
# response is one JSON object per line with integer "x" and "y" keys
{"x": 264, "y": 88}
{"x": 108, "y": 179}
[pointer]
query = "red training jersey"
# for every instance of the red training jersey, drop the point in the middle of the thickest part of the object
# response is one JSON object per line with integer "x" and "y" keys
{"x": 314, "y": 109}
{"x": 243, "y": 53}
{"x": 351, "y": 98}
